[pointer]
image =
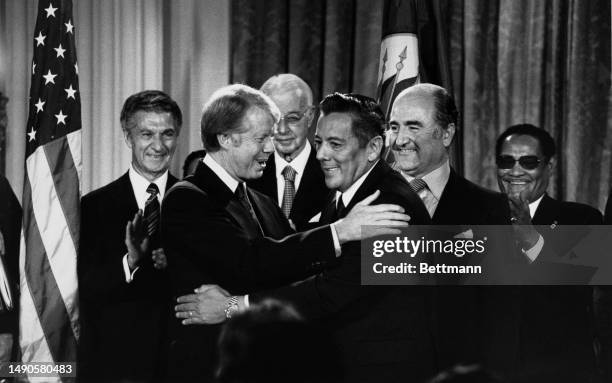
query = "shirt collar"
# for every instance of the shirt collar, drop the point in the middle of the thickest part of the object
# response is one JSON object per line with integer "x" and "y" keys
{"x": 298, "y": 163}
{"x": 228, "y": 180}
{"x": 348, "y": 195}
{"x": 140, "y": 185}
{"x": 436, "y": 180}
{"x": 534, "y": 206}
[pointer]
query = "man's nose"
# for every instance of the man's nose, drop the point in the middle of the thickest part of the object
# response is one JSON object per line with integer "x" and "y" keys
{"x": 402, "y": 137}
{"x": 157, "y": 142}
{"x": 322, "y": 153}
{"x": 517, "y": 169}
{"x": 282, "y": 126}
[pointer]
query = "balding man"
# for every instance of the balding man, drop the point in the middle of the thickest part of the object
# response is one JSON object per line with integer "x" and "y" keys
{"x": 474, "y": 324}
{"x": 293, "y": 177}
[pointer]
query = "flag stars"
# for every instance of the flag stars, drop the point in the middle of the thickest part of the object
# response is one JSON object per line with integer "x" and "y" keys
{"x": 50, "y": 11}
{"x": 39, "y": 105}
{"x": 69, "y": 26}
{"x": 61, "y": 118}
{"x": 40, "y": 39}
{"x": 70, "y": 92}
{"x": 60, "y": 51}
{"x": 31, "y": 135}
{"x": 50, "y": 77}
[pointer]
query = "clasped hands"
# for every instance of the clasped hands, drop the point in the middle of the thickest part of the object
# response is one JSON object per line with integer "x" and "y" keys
{"x": 137, "y": 243}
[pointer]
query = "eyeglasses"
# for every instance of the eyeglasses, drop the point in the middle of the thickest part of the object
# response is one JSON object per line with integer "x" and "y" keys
{"x": 526, "y": 162}
{"x": 293, "y": 118}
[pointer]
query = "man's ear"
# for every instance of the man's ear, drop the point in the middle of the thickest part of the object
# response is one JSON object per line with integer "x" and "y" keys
{"x": 448, "y": 134}
{"x": 551, "y": 164}
{"x": 225, "y": 140}
{"x": 374, "y": 148}
{"x": 126, "y": 136}
{"x": 310, "y": 114}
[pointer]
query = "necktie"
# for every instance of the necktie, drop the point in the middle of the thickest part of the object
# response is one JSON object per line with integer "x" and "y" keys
{"x": 244, "y": 201}
{"x": 151, "y": 212}
{"x": 340, "y": 209}
{"x": 289, "y": 194}
{"x": 420, "y": 187}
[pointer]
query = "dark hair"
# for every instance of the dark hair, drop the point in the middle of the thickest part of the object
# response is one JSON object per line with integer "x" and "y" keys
{"x": 445, "y": 108}
{"x": 367, "y": 117}
{"x": 547, "y": 143}
{"x": 271, "y": 343}
{"x": 227, "y": 107}
{"x": 150, "y": 101}
{"x": 195, "y": 155}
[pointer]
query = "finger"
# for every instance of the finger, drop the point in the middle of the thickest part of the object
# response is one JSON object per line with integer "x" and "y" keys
{"x": 390, "y": 222}
{"x": 203, "y": 288}
{"x": 383, "y": 208}
{"x": 391, "y": 216}
{"x": 187, "y": 298}
{"x": 385, "y": 231}
{"x": 369, "y": 199}
{"x": 191, "y": 306}
{"x": 189, "y": 321}
{"x": 523, "y": 197}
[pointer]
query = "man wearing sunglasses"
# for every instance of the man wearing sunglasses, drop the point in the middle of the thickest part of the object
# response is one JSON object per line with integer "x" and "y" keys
{"x": 293, "y": 177}
{"x": 556, "y": 329}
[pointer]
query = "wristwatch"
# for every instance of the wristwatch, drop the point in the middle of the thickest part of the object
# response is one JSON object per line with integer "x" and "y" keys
{"x": 231, "y": 306}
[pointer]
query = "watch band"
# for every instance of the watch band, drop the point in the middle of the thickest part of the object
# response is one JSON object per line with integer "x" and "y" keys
{"x": 231, "y": 306}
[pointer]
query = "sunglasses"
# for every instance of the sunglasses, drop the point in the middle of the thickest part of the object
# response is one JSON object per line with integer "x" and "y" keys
{"x": 526, "y": 162}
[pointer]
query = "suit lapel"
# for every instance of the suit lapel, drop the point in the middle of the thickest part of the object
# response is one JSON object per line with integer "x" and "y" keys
{"x": 547, "y": 211}
{"x": 125, "y": 199}
{"x": 448, "y": 203}
{"x": 269, "y": 184}
{"x": 308, "y": 179}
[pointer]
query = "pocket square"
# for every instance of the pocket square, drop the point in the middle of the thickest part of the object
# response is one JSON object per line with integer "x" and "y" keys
{"x": 468, "y": 234}
{"x": 315, "y": 219}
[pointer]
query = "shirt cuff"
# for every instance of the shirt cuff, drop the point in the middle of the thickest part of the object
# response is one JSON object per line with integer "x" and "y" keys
{"x": 129, "y": 276}
{"x": 246, "y": 301}
{"x": 337, "y": 247}
{"x": 535, "y": 250}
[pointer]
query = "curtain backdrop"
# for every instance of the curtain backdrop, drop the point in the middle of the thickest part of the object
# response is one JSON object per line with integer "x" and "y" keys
{"x": 123, "y": 46}
{"x": 541, "y": 62}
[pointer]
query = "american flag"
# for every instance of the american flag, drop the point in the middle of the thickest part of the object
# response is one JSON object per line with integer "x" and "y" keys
{"x": 48, "y": 321}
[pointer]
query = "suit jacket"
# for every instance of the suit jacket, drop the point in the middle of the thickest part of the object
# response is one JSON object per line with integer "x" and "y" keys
{"x": 309, "y": 198}
{"x": 557, "y": 324}
{"x": 382, "y": 331}
{"x": 122, "y": 325}
{"x": 210, "y": 239}
{"x": 10, "y": 229}
{"x": 475, "y": 324}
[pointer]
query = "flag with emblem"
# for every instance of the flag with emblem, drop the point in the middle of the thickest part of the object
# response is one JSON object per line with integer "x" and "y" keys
{"x": 48, "y": 321}
{"x": 413, "y": 49}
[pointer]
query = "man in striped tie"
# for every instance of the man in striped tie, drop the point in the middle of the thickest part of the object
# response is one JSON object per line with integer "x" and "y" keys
{"x": 122, "y": 279}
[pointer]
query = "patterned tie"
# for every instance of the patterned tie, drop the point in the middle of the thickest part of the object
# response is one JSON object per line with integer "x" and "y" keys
{"x": 151, "y": 212}
{"x": 420, "y": 187}
{"x": 289, "y": 194}
{"x": 244, "y": 201}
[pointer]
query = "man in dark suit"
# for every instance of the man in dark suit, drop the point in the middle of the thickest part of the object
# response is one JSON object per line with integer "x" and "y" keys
{"x": 556, "y": 328}
{"x": 382, "y": 331}
{"x": 472, "y": 323}
{"x": 123, "y": 290}
{"x": 218, "y": 230}
{"x": 293, "y": 176}
{"x": 10, "y": 229}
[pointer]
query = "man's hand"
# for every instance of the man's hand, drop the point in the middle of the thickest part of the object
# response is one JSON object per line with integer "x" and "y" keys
{"x": 388, "y": 219}
{"x": 136, "y": 240}
{"x": 526, "y": 234}
{"x": 159, "y": 259}
{"x": 206, "y": 306}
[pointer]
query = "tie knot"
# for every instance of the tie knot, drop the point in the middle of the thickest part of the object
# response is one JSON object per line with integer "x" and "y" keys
{"x": 418, "y": 185}
{"x": 240, "y": 191}
{"x": 289, "y": 173}
{"x": 152, "y": 189}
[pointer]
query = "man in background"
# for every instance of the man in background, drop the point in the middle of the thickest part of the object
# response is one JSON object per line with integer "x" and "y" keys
{"x": 293, "y": 176}
{"x": 10, "y": 229}
{"x": 123, "y": 287}
{"x": 472, "y": 323}
{"x": 556, "y": 328}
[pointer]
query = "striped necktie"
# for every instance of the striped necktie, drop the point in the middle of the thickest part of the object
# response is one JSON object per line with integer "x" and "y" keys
{"x": 289, "y": 194}
{"x": 151, "y": 212}
{"x": 422, "y": 190}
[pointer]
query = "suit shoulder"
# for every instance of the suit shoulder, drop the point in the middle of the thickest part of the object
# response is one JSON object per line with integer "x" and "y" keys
{"x": 105, "y": 191}
{"x": 482, "y": 194}
{"x": 579, "y": 211}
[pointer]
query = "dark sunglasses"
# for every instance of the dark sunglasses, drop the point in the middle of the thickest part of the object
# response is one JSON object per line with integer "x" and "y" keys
{"x": 526, "y": 162}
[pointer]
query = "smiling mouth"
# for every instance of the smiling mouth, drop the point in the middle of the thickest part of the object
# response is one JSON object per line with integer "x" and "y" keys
{"x": 330, "y": 169}
{"x": 404, "y": 150}
{"x": 262, "y": 163}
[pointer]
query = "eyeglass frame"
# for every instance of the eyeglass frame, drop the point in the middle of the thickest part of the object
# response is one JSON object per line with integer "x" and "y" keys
{"x": 301, "y": 114}
{"x": 521, "y": 160}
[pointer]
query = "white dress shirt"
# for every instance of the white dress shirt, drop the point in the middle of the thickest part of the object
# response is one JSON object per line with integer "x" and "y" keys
{"x": 436, "y": 181}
